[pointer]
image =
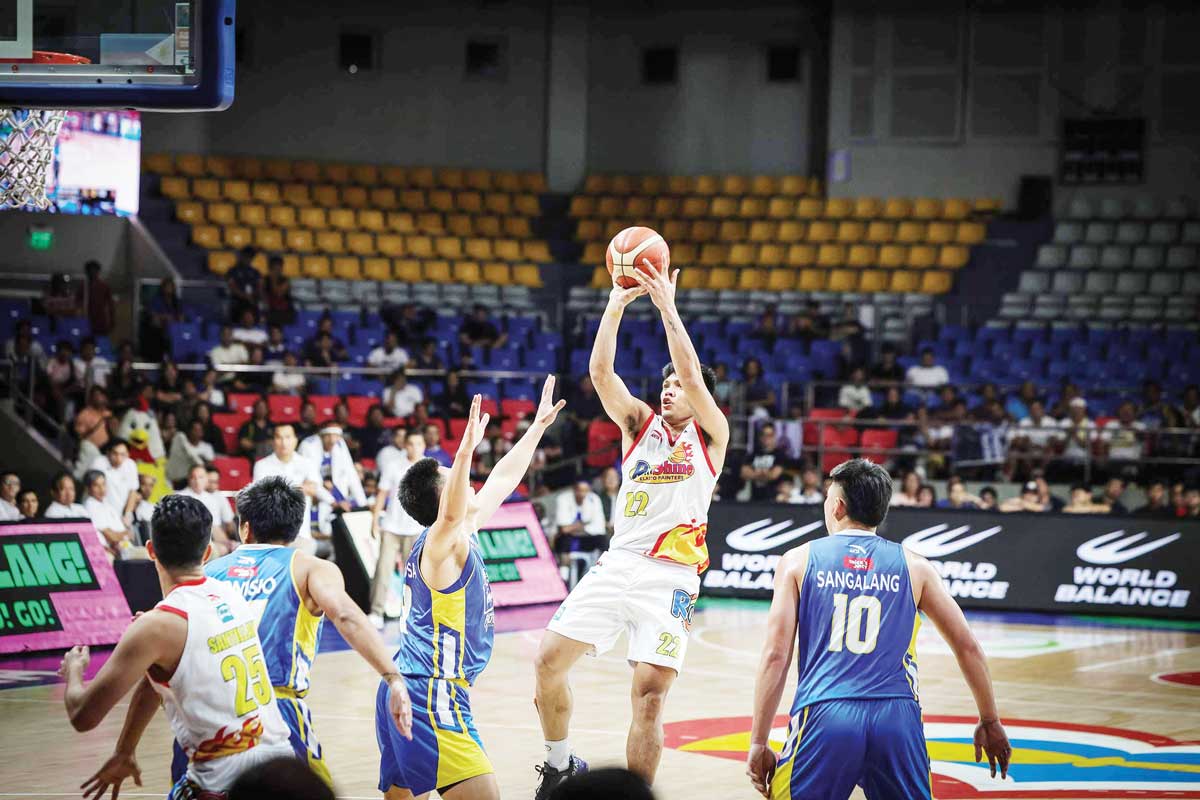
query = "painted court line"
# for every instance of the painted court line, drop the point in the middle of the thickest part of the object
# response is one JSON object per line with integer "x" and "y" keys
{"x": 1132, "y": 659}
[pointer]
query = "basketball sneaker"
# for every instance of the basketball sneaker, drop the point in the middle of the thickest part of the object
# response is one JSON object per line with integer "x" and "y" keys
{"x": 552, "y": 777}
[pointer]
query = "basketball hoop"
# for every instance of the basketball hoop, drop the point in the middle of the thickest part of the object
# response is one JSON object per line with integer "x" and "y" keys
{"x": 27, "y": 137}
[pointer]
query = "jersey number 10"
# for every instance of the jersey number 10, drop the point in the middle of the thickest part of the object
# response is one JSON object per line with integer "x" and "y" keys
{"x": 855, "y": 624}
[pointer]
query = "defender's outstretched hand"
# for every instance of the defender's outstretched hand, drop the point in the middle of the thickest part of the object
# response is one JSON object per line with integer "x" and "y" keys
{"x": 476, "y": 426}
{"x": 622, "y": 296}
{"x": 548, "y": 410}
{"x": 659, "y": 285}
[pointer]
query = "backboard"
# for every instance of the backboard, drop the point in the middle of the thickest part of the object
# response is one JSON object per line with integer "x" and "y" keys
{"x": 150, "y": 55}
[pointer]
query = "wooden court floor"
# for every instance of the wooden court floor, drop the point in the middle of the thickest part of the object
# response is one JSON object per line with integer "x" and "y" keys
{"x": 1094, "y": 711}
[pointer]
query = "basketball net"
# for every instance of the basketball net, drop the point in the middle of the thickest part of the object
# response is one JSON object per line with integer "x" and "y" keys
{"x": 27, "y": 138}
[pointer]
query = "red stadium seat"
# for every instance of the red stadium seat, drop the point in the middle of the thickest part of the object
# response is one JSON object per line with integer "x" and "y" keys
{"x": 359, "y": 405}
{"x": 488, "y": 405}
{"x": 235, "y": 473}
{"x": 878, "y": 439}
{"x": 834, "y": 439}
{"x": 284, "y": 407}
{"x": 457, "y": 426}
{"x": 604, "y": 444}
{"x": 230, "y": 423}
{"x": 324, "y": 403}
{"x": 517, "y": 408}
{"x": 243, "y": 403}
{"x": 827, "y": 413}
{"x": 368, "y": 464}
{"x": 508, "y": 427}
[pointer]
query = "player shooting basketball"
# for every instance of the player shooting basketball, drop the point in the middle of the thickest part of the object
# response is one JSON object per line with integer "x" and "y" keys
{"x": 647, "y": 582}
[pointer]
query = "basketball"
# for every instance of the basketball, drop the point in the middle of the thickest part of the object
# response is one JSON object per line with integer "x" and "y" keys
{"x": 633, "y": 247}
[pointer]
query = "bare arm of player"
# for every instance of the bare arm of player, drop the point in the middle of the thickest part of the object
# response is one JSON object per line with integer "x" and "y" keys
{"x": 122, "y": 764}
{"x": 661, "y": 288}
{"x": 324, "y": 584}
{"x": 773, "y": 665}
{"x": 621, "y": 406}
{"x": 155, "y": 639}
{"x": 445, "y": 537}
{"x": 937, "y": 604}
{"x": 510, "y": 469}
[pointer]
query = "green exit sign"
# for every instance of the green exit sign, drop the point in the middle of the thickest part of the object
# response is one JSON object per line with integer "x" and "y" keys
{"x": 41, "y": 237}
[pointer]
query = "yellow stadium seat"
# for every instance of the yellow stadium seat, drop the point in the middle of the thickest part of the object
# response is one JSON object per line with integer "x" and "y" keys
{"x": 940, "y": 233}
{"x": 412, "y": 200}
{"x": 838, "y": 208}
{"x": 282, "y": 216}
{"x": 493, "y": 202}
{"x": 221, "y": 261}
{"x": 488, "y": 227}
{"x": 651, "y": 185}
{"x": 610, "y": 206}
{"x": 713, "y": 254}
{"x": 613, "y": 226}
{"x": 533, "y": 182}
{"x": 248, "y": 168}
{"x": 908, "y": 232}
{"x": 377, "y": 269}
{"x": 419, "y": 246}
{"x": 953, "y": 256}
{"x": 190, "y": 164}
{"x": 665, "y": 206}
{"x": 682, "y": 253}
{"x": 704, "y": 230}
{"x": 236, "y": 191}
{"x": 674, "y": 230}
{"x": 517, "y": 228}
{"x": 801, "y": 255}
{"x": 189, "y": 211}
{"x": 792, "y": 231}
{"x": 821, "y": 231}
{"x": 596, "y": 184}
{"x": 371, "y": 219}
{"x": 956, "y": 209}
{"x": 393, "y": 176}
{"x": 781, "y": 280}
{"x": 527, "y": 205}
{"x": 300, "y": 240}
{"x": 158, "y": 163}
{"x": 390, "y": 244}
{"x": 733, "y": 230}
{"x": 529, "y": 275}
{"x": 478, "y": 179}
{"x": 259, "y": 262}
{"x": 621, "y": 184}
{"x": 843, "y": 280}
{"x": 451, "y": 178}
{"x": 693, "y": 278}
{"x": 335, "y": 173}
{"x": 880, "y": 232}
{"x": 222, "y": 213}
{"x": 355, "y": 197}
{"x": 331, "y": 242}
{"x": 207, "y": 236}
{"x": 448, "y": 247}
{"x": 278, "y": 169}
{"x": 507, "y": 249}
{"x": 970, "y": 233}
{"x": 218, "y": 166}
{"x": 741, "y": 254}
{"x": 175, "y": 188}
{"x": 347, "y": 267}
{"x": 296, "y": 194}
{"x": 343, "y": 219}
{"x": 694, "y": 206}
{"x": 422, "y": 177}
{"x": 316, "y": 267}
{"x": 638, "y": 207}
{"x": 867, "y": 208}
{"x": 987, "y": 205}
{"x": 314, "y": 218}
{"x": 436, "y": 271}
{"x": 364, "y": 174}
{"x": 751, "y": 279}
{"x": 794, "y": 185}
{"x": 904, "y": 281}
{"x": 851, "y": 232}
{"x": 466, "y": 272}
{"x": 752, "y": 208}
{"x": 722, "y": 278}
{"x": 936, "y": 282}
{"x": 810, "y": 208}
{"x": 764, "y": 185}
{"x": 600, "y": 278}
{"x": 831, "y": 255}
{"x": 706, "y": 184}
{"x": 763, "y": 231}
{"x": 862, "y": 255}
{"x": 535, "y": 250}
{"x": 407, "y": 270}
{"x": 873, "y": 280}
{"x": 431, "y": 222}
{"x": 588, "y": 230}
{"x": 291, "y": 265}
{"x": 265, "y": 192}
{"x": 401, "y": 222}
{"x": 680, "y": 184}
{"x": 269, "y": 239}
{"x": 893, "y": 256}
{"x": 206, "y": 189}
{"x": 497, "y": 272}
{"x": 922, "y": 256}
{"x": 360, "y": 243}
{"x": 771, "y": 254}
{"x": 897, "y": 208}
{"x": 927, "y": 208}
{"x": 383, "y": 197}
{"x": 735, "y": 184}
{"x": 470, "y": 201}
{"x": 478, "y": 249}
{"x": 441, "y": 200}
{"x": 307, "y": 171}
{"x": 812, "y": 280}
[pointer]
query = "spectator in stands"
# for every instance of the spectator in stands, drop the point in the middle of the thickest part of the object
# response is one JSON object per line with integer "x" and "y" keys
{"x": 91, "y": 368}
{"x": 308, "y": 424}
{"x": 987, "y": 499}
{"x": 330, "y": 451}
{"x": 10, "y": 487}
{"x": 109, "y": 521}
{"x": 168, "y": 393}
{"x": 1034, "y": 440}
{"x": 144, "y": 510}
{"x": 764, "y": 465}
{"x": 243, "y": 281}
{"x": 1019, "y": 405}
{"x": 370, "y": 482}
{"x": 433, "y": 445}
{"x": 1191, "y": 406}
{"x": 723, "y": 388}
{"x": 188, "y": 450}
{"x": 320, "y": 352}
{"x": 341, "y": 418}
{"x": 848, "y": 326}
{"x": 168, "y": 425}
{"x": 610, "y": 493}
{"x": 910, "y": 488}
{"x": 393, "y": 451}
{"x": 1156, "y": 412}
{"x": 247, "y": 330}
{"x": 258, "y": 381}
{"x": 1082, "y": 502}
{"x": 809, "y": 491}
{"x": 428, "y": 358}
{"x": 1156, "y": 502}
{"x": 373, "y": 436}
{"x": 389, "y": 355}
{"x": 211, "y": 391}
{"x": 277, "y": 294}
{"x": 926, "y": 496}
{"x": 754, "y": 396}
{"x": 1044, "y": 496}
{"x": 276, "y": 345}
{"x": 957, "y": 496}
{"x": 1078, "y": 431}
{"x": 27, "y": 504}
{"x": 988, "y": 394}
{"x": 886, "y": 369}
{"x": 401, "y": 397}
{"x": 217, "y": 505}
{"x": 478, "y": 330}
{"x": 164, "y": 310}
{"x": 990, "y": 433}
{"x": 579, "y": 521}
{"x": 212, "y": 434}
{"x": 26, "y": 355}
{"x": 1121, "y": 441}
{"x": 229, "y": 351}
{"x": 1113, "y": 489}
{"x": 817, "y": 322}
{"x": 454, "y": 402}
{"x": 493, "y": 448}
{"x": 1191, "y": 503}
{"x": 90, "y": 423}
{"x": 854, "y": 395}
{"x": 254, "y": 436}
{"x": 62, "y": 493}
{"x": 766, "y": 328}
{"x": 62, "y": 380}
{"x": 928, "y": 374}
{"x": 120, "y": 472}
{"x": 95, "y": 299}
{"x": 784, "y": 489}
{"x": 287, "y": 380}
{"x": 585, "y": 403}
{"x": 58, "y": 300}
{"x": 893, "y": 408}
{"x": 801, "y": 329}
{"x": 410, "y": 322}
{"x": 299, "y": 471}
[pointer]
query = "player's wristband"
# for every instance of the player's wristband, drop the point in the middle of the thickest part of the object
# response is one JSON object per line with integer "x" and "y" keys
{"x": 391, "y": 676}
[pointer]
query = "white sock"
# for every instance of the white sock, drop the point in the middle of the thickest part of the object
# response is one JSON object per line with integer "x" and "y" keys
{"x": 558, "y": 754}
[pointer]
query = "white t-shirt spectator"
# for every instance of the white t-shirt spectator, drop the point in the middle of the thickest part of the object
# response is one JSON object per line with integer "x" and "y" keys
{"x": 287, "y": 382}
{"x": 1124, "y": 441}
{"x": 590, "y": 513}
{"x": 250, "y": 335}
{"x": 854, "y": 398}
{"x": 120, "y": 481}
{"x": 1039, "y": 434}
{"x": 104, "y": 518}
{"x": 395, "y": 519}
{"x": 94, "y": 372}
{"x": 296, "y": 472}
{"x": 404, "y": 402}
{"x": 387, "y": 456}
{"x": 217, "y": 505}
{"x": 57, "y": 510}
{"x": 382, "y": 358}
{"x": 8, "y": 512}
{"x": 233, "y": 354}
{"x": 809, "y": 498}
{"x": 1075, "y": 450}
{"x": 927, "y": 377}
{"x": 185, "y": 455}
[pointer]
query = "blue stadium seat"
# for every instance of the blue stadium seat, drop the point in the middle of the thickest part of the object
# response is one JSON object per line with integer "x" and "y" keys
{"x": 522, "y": 389}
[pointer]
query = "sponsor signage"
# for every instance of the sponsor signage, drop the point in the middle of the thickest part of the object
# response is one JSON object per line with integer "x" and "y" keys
{"x": 520, "y": 566}
{"x": 1031, "y": 562}
{"x": 57, "y": 587}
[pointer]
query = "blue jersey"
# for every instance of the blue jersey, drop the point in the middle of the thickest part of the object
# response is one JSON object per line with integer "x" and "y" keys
{"x": 448, "y": 633}
{"x": 290, "y": 633}
{"x": 857, "y": 622}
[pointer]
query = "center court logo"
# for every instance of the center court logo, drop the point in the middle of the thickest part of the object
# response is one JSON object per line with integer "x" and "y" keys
{"x": 1106, "y": 584}
{"x": 962, "y": 578}
{"x": 1050, "y": 759}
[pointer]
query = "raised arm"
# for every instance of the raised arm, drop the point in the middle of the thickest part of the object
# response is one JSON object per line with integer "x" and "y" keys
{"x": 510, "y": 469}
{"x": 445, "y": 535}
{"x": 621, "y": 406}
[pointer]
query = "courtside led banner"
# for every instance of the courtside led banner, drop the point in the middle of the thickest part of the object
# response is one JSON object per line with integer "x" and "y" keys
{"x": 57, "y": 587}
{"x": 1066, "y": 563}
{"x": 520, "y": 566}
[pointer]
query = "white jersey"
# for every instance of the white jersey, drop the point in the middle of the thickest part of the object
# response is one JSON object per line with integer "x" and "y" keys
{"x": 666, "y": 487}
{"x": 219, "y": 701}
